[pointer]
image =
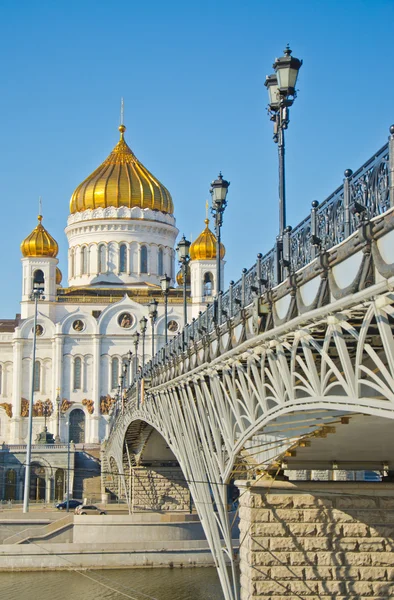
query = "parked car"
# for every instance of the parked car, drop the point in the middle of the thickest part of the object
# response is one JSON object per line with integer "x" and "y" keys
{"x": 89, "y": 509}
{"x": 71, "y": 504}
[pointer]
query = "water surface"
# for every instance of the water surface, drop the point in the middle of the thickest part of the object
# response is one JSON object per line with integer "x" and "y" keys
{"x": 136, "y": 584}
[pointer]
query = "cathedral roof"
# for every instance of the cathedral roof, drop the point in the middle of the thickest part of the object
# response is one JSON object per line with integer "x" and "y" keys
{"x": 204, "y": 247}
{"x": 121, "y": 180}
{"x": 39, "y": 242}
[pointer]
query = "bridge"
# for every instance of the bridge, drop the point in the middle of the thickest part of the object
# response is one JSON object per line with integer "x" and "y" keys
{"x": 292, "y": 368}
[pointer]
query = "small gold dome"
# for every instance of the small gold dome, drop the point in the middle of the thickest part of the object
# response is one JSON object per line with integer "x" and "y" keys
{"x": 204, "y": 247}
{"x": 59, "y": 276}
{"x": 39, "y": 243}
{"x": 121, "y": 180}
{"x": 179, "y": 277}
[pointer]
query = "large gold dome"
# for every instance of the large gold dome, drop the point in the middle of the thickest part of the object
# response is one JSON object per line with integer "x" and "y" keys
{"x": 204, "y": 247}
{"x": 121, "y": 180}
{"x": 39, "y": 243}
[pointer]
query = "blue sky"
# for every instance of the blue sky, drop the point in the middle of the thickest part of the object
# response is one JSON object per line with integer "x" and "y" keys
{"x": 192, "y": 76}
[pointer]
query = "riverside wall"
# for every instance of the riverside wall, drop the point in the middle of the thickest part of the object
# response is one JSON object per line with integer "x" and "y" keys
{"x": 316, "y": 540}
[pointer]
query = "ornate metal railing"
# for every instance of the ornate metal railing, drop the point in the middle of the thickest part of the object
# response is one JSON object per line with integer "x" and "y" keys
{"x": 364, "y": 194}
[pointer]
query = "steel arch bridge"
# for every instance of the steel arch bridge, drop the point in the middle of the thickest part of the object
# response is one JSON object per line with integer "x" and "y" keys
{"x": 290, "y": 362}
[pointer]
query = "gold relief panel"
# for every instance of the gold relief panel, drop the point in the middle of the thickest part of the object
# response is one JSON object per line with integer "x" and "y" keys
{"x": 89, "y": 405}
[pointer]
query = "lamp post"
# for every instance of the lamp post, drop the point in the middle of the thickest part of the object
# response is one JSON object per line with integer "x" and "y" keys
{"x": 36, "y": 295}
{"x": 143, "y": 324}
{"x": 153, "y": 316}
{"x": 281, "y": 94}
{"x": 218, "y": 190}
{"x": 136, "y": 340}
{"x": 58, "y": 400}
{"x": 184, "y": 259}
{"x": 165, "y": 288}
{"x": 68, "y": 466}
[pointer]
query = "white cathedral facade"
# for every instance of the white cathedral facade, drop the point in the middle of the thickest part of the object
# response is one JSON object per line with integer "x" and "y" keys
{"x": 121, "y": 234}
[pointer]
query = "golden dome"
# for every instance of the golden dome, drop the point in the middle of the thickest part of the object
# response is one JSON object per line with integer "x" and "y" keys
{"x": 121, "y": 180}
{"x": 204, "y": 247}
{"x": 39, "y": 243}
{"x": 59, "y": 276}
{"x": 179, "y": 277}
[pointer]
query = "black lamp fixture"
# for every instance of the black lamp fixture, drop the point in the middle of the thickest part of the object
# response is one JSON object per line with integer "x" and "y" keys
{"x": 136, "y": 340}
{"x": 143, "y": 325}
{"x": 153, "y": 316}
{"x": 165, "y": 288}
{"x": 184, "y": 259}
{"x": 282, "y": 92}
{"x": 219, "y": 189}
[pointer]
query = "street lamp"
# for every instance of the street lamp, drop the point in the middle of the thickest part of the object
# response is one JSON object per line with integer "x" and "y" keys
{"x": 57, "y": 436}
{"x": 153, "y": 316}
{"x": 136, "y": 340}
{"x": 36, "y": 295}
{"x": 165, "y": 288}
{"x": 281, "y": 95}
{"x": 143, "y": 324}
{"x": 68, "y": 466}
{"x": 184, "y": 258}
{"x": 218, "y": 190}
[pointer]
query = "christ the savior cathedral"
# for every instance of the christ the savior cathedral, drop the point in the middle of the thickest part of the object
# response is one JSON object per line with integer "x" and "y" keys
{"x": 121, "y": 234}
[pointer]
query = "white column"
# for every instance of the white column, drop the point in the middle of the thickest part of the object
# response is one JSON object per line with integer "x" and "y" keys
{"x": 16, "y": 421}
{"x": 95, "y": 418}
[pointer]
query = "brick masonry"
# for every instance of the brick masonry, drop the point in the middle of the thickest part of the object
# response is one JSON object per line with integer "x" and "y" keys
{"x": 316, "y": 540}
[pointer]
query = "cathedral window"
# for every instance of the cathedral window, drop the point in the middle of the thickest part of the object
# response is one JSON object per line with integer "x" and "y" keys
{"x": 123, "y": 259}
{"x": 102, "y": 259}
{"x": 84, "y": 260}
{"x": 160, "y": 269}
{"x": 208, "y": 284}
{"x": 114, "y": 373}
{"x": 37, "y": 376}
{"x": 144, "y": 259}
{"x": 77, "y": 373}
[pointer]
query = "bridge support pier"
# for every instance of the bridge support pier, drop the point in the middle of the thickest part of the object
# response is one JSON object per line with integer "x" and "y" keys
{"x": 316, "y": 540}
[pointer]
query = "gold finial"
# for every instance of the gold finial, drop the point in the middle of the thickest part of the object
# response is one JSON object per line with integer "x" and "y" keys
{"x": 206, "y": 210}
{"x": 206, "y": 221}
{"x": 39, "y": 208}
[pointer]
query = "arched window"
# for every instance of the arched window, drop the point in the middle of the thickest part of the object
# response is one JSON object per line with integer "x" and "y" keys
{"x": 84, "y": 260}
{"x": 76, "y": 431}
{"x": 208, "y": 284}
{"x": 144, "y": 259}
{"x": 77, "y": 373}
{"x": 1, "y": 380}
{"x": 102, "y": 259}
{"x": 160, "y": 269}
{"x": 123, "y": 259}
{"x": 37, "y": 376}
{"x": 114, "y": 373}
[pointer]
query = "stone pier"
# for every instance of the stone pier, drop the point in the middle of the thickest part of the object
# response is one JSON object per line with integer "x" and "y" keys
{"x": 316, "y": 540}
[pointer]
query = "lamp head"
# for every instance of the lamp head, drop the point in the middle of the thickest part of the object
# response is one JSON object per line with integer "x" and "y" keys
{"x": 153, "y": 308}
{"x": 183, "y": 250}
{"x": 143, "y": 324}
{"x": 219, "y": 188}
{"x": 165, "y": 283}
{"x": 286, "y": 69}
{"x": 271, "y": 83}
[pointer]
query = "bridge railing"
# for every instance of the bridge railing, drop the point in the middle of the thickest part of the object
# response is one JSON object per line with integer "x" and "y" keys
{"x": 363, "y": 195}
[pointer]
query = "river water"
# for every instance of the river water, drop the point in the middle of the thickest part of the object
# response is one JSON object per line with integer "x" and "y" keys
{"x": 135, "y": 584}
